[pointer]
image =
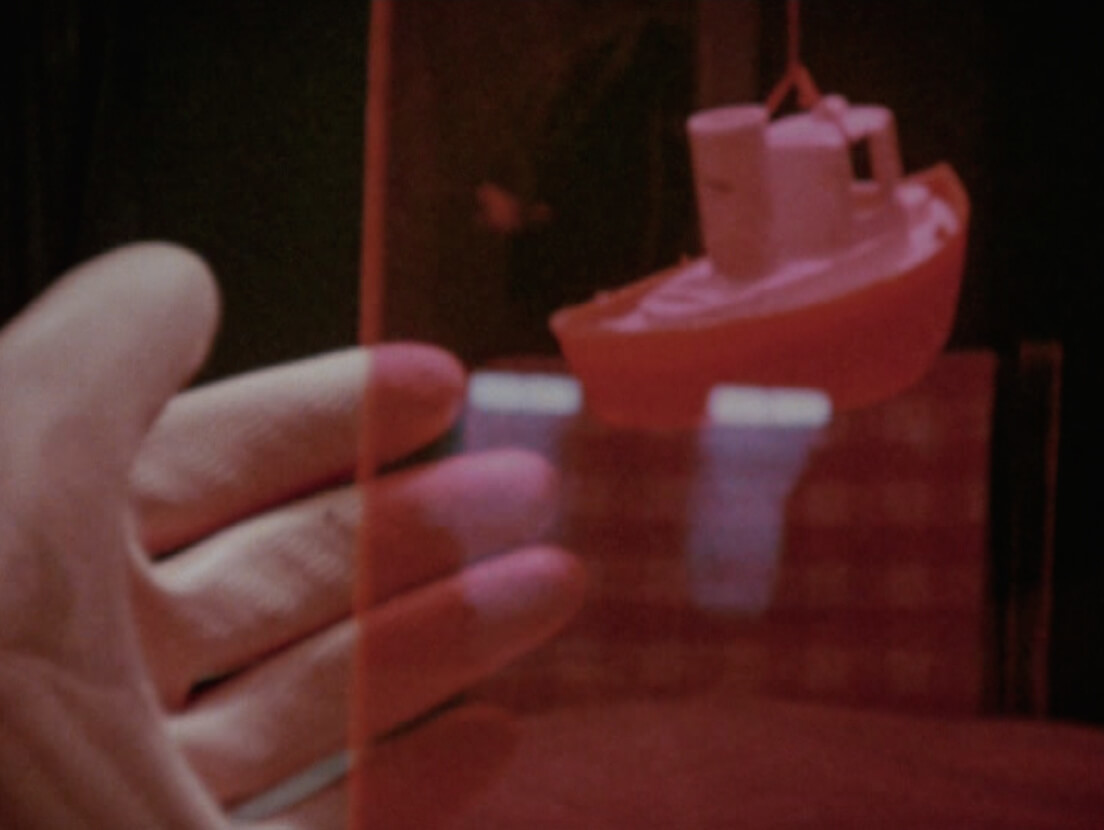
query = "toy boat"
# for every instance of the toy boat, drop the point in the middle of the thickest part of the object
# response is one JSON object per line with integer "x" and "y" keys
{"x": 819, "y": 273}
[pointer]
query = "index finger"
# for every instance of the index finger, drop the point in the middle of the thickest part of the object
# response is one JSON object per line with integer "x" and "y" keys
{"x": 231, "y": 449}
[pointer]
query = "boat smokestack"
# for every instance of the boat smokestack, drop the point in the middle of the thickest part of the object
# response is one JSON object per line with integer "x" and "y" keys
{"x": 728, "y": 149}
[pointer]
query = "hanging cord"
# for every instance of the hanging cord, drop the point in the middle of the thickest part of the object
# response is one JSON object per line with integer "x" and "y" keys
{"x": 797, "y": 76}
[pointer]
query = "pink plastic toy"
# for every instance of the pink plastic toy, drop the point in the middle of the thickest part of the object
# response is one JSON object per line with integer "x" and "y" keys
{"x": 825, "y": 267}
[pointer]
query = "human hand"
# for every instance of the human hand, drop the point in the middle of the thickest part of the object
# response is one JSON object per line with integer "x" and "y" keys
{"x": 104, "y": 635}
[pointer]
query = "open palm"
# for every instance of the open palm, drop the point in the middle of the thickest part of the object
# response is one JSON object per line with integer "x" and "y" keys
{"x": 175, "y": 635}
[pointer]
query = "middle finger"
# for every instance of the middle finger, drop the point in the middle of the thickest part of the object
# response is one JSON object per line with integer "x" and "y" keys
{"x": 288, "y": 713}
{"x": 270, "y": 581}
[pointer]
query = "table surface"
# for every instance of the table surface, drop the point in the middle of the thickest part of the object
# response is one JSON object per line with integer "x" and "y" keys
{"x": 779, "y": 552}
{"x": 787, "y": 625}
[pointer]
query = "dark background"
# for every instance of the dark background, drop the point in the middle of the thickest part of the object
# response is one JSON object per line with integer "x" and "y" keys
{"x": 236, "y": 128}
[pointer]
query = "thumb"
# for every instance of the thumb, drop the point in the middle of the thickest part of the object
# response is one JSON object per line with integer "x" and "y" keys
{"x": 82, "y": 375}
{"x": 86, "y": 368}
{"x": 83, "y": 372}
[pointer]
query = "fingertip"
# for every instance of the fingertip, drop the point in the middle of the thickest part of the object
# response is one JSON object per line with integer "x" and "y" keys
{"x": 150, "y": 308}
{"x": 535, "y": 590}
{"x": 526, "y": 488}
{"x": 177, "y": 289}
{"x": 525, "y": 469}
{"x": 415, "y": 394}
{"x": 99, "y": 353}
{"x": 182, "y": 274}
{"x": 172, "y": 306}
{"x": 426, "y": 373}
{"x": 564, "y": 572}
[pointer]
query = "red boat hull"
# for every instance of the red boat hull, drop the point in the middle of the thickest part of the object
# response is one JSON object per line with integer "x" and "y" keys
{"x": 859, "y": 347}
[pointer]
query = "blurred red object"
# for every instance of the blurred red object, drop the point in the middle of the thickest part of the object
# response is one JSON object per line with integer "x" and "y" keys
{"x": 859, "y": 347}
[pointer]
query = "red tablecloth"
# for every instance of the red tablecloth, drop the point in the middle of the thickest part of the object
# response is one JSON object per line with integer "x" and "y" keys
{"x": 787, "y": 628}
{"x": 842, "y": 562}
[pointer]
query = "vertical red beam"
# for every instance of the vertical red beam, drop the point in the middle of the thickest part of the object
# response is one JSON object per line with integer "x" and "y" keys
{"x": 373, "y": 260}
{"x": 373, "y": 249}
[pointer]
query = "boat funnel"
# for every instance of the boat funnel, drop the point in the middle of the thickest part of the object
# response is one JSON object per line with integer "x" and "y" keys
{"x": 728, "y": 150}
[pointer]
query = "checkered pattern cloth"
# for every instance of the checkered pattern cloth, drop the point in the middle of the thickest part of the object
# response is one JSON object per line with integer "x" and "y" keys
{"x": 840, "y": 559}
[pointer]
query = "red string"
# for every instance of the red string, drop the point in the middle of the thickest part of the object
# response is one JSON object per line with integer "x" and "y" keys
{"x": 793, "y": 32}
{"x": 796, "y": 77}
